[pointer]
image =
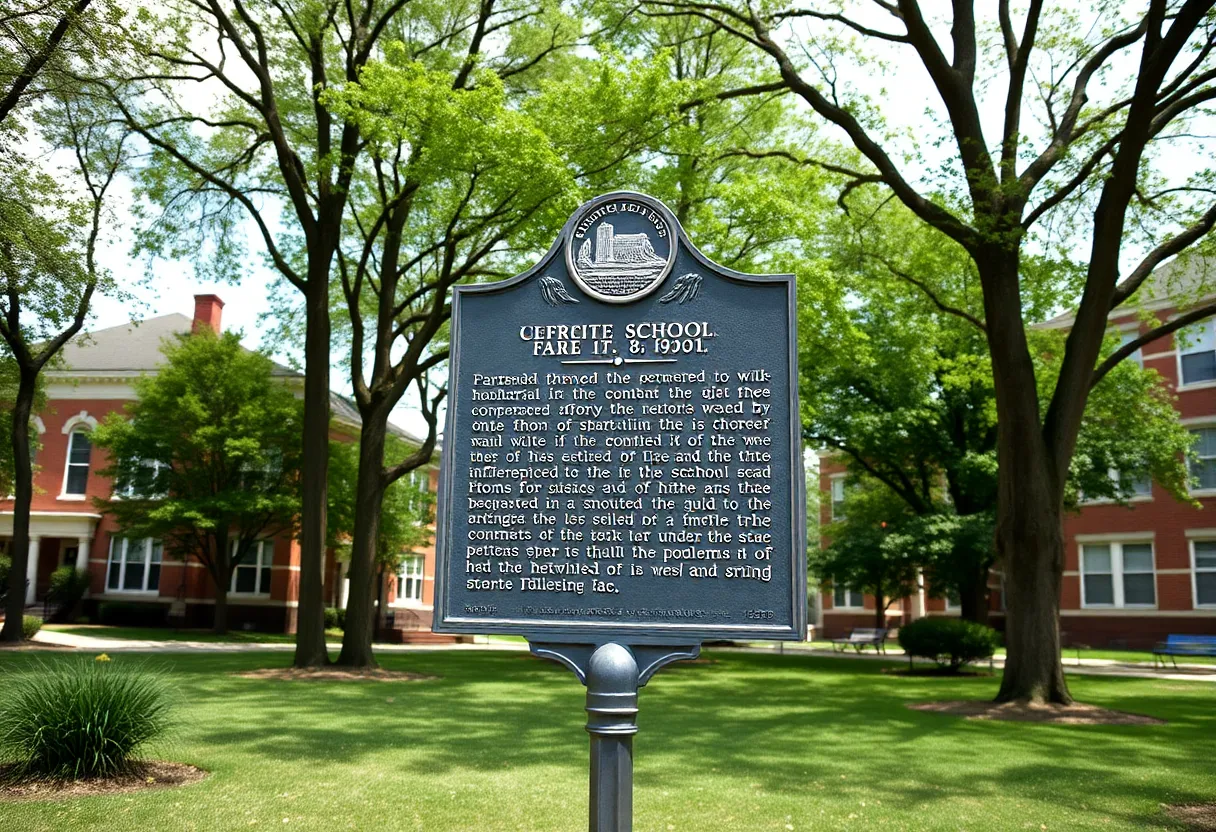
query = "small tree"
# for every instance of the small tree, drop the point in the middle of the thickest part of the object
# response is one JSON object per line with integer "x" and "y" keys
{"x": 207, "y": 458}
{"x": 9, "y": 381}
{"x": 871, "y": 550}
{"x": 405, "y": 508}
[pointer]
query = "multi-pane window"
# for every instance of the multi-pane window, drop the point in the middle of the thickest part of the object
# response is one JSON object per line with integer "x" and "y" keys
{"x": 1197, "y": 353}
{"x": 1203, "y": 466}
{"x": 1126, "y": 338}
{"x": 252, "y": 574}
{"x": 1117, "y": 575}
{"x": 1141, "y": 485}
{"x": 845, "y": 598}
{"x": 838, "y": 497}
{"x": 80, "y": 451}
{"x": 420, "y": 481}
{"x": 409, "y": 580}
{"x": 1204, "y": 553}
{"x": 146, "y": 483}
{"x": 134, "y": 564}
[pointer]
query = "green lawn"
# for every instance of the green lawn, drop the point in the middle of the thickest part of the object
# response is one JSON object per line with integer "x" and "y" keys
{"x": 168, "y": 634}
{"x": 747, "y": 742}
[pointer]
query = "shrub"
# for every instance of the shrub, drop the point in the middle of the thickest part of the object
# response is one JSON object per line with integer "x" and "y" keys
{"x": 951, "y": 642}
{"x": 30, "y": 625}
{"x": 80, "y": 718}
{"x": 131, "y": 614}
{"x": 335, "y": 619}
{"x": 68, "y": 586}
{"x": 6, "y": 564}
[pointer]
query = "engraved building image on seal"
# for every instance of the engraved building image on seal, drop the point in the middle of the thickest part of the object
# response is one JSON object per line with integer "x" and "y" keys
{"x": 621, "y": 264}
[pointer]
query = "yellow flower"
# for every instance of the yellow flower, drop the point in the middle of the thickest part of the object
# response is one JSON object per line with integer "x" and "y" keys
{"x": 102, "y": 657}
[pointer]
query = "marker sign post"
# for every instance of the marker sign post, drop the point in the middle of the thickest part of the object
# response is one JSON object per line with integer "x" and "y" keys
{"x": 622, "y": 466}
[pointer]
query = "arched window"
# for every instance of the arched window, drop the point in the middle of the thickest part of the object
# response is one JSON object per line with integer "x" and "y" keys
{"x": 76, "y": 475}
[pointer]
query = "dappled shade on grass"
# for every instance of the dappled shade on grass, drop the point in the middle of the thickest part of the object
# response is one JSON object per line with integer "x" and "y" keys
{"x": 750, "y": 742}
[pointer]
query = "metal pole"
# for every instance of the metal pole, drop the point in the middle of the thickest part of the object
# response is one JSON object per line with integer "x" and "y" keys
{"x": 613, "y": 673}
{"x": 612, "y": 709}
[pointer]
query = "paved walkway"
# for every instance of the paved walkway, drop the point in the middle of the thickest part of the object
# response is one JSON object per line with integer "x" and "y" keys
{"x": 127, "y": 645}
{"x": 1072, "y": 665}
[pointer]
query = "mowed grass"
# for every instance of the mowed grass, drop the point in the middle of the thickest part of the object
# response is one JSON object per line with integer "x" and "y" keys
{"x": 745, "y": 742}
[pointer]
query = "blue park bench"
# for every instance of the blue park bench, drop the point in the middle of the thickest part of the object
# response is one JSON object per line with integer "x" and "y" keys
{"x": 1180, "y": 645}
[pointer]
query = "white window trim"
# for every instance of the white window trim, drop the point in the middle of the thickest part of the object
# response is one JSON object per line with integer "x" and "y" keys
{"x": 1115, "y": 477}
{"x": 1133, "y": 330}
{"x": 122, "y": 566}
{"x": 80, "y": 419}
{"x": 128, "y": 494}
{"x": 849, "y": 596}
{"x": 1117, "y": 573}
{"x": 67, "y": 460}
{"x": 1195, "y": 575}
{"x": 1178, "y": 351}
{"x": 264, "y": 549}
{"x": 1194, "y": 425}
{"x": 832, "y": 480}
{"x": 421, "y": 578}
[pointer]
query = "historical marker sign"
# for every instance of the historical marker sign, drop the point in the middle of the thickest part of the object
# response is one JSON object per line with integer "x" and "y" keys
{"x": 622, "y": 458}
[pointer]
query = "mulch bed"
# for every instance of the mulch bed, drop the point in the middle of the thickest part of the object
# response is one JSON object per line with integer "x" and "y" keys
{"x": 1199, "y": 817}
{"x": 146, "y": 776}
{"x": 335, "y": 674}
{"x": 1075, "y": 714}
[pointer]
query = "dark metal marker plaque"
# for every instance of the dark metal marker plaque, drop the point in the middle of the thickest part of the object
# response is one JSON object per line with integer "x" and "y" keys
{"x": 622, "y": 458}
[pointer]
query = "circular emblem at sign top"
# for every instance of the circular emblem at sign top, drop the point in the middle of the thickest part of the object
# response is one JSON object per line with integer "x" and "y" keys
{"x": 620, "y": 249}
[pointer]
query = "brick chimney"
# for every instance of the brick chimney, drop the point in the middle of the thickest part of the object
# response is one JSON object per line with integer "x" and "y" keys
{"x": 207, "y": 312}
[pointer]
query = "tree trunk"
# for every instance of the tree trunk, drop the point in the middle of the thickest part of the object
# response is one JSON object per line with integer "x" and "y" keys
{"x": 310, "y": 613}
{"x": 222, "y": 565}
{"x": 880, "y": 612}
{"x": 1029, "y": 531}
{"x": 1030, "y": 537}
{"x": 220, "y": 625}
{"x": 14, "y": 608}
{"x": 973, "y": 598}
{"x": 369, "y": 494}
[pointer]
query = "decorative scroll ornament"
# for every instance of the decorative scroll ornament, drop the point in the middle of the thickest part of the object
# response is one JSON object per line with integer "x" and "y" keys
{"x": 686, "y": 288}
{"x": 554, "y": 292}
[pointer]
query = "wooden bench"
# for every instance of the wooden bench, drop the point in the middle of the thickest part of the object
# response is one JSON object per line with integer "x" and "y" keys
{"x": 860, "y": 638}
{"x": 1183, "y": 645}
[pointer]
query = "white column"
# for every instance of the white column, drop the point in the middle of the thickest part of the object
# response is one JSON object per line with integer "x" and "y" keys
{"x": 83, "y": 545}
{"x": 31, "y": 569}
{"x": 918, "y": 603}
{"x": 344, "y": 585}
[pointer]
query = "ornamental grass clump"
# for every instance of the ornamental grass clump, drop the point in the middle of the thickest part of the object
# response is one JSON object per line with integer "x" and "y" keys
{"x": 80, "y": 718}
{"x": 30, "y": 625}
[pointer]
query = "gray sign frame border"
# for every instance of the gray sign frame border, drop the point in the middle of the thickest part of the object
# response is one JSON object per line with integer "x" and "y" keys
{"x": 557, "y": 630}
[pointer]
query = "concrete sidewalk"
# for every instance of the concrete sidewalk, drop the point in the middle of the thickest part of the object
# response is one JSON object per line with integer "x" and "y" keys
{"x": 126, "y": 645}
{"x": 1072, "y": 665}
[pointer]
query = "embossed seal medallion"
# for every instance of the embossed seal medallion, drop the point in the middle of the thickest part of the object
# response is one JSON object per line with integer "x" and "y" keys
{"x": 620, "y": 250}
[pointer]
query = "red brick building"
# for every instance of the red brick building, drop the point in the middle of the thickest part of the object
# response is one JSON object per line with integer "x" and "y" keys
{"x": 95, "y": 379}
{"x": 1132, "y": 574}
